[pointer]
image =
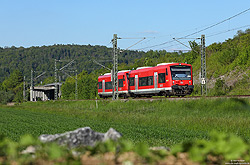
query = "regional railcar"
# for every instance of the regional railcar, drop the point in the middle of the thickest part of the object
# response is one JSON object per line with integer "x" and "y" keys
{"x": 165, "y": 79}
{"x": 105, "y": 84}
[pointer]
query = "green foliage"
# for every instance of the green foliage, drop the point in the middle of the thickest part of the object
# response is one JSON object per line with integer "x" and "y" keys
{"x": 143, "y": 123}
{"x": 220, "y": 88}
{"x": 125, "y": 145}
{"x": 48, "y": 80}
{"x": 51, "y": 152}
{"x": 86, "y": 86}
{"x": 68, "y": 89}
{"x": 224, "y": 58}
{"x": 142, "y": 149}
{"x": 14, "y": 151}
{"x": 242, "y": 87}
{"x": 12, "y": 88}
{"x": 42, "y": 58}
{"x": 157, "y": 123}
{"x": 193, "y": 55}
{"x": 54, "y": 151}
{"x": 6, "y": 97}
{"x": 13, "y": 81}
{"x": 221, "y": 147}
{"x": 101, "y": 148}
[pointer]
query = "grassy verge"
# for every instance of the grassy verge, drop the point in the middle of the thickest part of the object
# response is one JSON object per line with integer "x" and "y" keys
{"x": 161, "y": 122}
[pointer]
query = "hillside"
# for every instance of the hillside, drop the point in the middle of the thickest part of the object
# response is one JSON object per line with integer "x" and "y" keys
{"x": 228, "y": 63}
{"x": 41, "y": 59}
{"x": 228, "y": 66}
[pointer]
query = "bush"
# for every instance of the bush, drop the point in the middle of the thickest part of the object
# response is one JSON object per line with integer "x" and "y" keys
{"x": 6, "y": 97}
{"x": 221, "y": 148}
{"x": 220, "y": 88}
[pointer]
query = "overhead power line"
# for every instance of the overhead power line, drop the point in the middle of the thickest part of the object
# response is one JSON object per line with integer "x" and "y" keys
{"x": 217, "y": 23}
{"x": 156, "y": 45}
{"x": 136, "y": 43}
{"x": 218, "y": 33}
{"x": 108, "y": 43}
{"x": 182, "y": 43}
{"x": 185, "y": 45}
{"x": 185, "y": 37}
{"x": 133, "y": 38}
{"x": 101, "y": 65}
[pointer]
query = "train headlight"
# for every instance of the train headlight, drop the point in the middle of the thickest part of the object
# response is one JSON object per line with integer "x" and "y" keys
{"x": 189, "y": 82}
{"x": 173, "y": 82}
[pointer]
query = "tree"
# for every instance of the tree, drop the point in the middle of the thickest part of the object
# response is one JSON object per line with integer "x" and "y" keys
{"x": 87, "y": 86}
{"x": 193, "y": 55}
{"x": 12, "y": 87}
{"x": 14, "y": 80}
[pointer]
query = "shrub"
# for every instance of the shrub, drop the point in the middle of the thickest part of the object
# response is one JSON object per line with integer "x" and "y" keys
{"x": 6, "y": 97}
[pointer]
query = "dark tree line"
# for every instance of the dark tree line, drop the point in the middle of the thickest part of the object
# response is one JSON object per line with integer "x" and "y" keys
{"x": 11, "y": 89}
{"x": 42, "y": 58}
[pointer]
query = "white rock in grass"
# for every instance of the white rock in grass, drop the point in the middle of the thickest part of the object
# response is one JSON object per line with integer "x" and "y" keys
{"x": 81, "y": 137}
{"x": 29, "y": 150}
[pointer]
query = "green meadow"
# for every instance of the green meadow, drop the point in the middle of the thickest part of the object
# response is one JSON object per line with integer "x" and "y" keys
{"x": 158, "y": 123}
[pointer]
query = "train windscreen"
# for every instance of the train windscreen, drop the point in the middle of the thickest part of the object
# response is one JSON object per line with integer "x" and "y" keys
{"x": 180, "y": 72}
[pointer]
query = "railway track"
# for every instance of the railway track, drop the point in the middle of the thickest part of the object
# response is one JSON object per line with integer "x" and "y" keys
{"x": 190, "y": 97}
{"x": 172, "y": 98}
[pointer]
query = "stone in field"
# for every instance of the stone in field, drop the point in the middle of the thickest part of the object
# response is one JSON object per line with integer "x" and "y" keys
{"x": 81, "y": 137}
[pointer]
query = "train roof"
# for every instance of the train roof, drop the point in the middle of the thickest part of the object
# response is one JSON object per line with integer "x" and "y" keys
{"x": 170, "y": 64}
{"x": 122, "y": 72}
{"x": 144, "y": 68}
{"x": 158, "y": 66}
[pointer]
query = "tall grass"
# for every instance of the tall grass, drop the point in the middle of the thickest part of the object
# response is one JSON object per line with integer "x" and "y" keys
{"x": 161, "y": 122}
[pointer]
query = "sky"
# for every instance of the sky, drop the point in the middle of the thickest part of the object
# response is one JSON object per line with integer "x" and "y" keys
{"x": 47, "y": 22}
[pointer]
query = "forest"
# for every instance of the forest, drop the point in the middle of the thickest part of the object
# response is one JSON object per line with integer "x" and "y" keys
{"x": 227, "y": 66}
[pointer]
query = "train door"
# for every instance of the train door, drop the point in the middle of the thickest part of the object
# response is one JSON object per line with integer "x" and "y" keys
{"x": 155, "y": 79}
{"x": 103, "y": 85}
{"x": 136, "y": 82}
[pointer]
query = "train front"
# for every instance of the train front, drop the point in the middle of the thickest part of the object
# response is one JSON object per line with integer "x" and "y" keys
{"x": 182, "y": 79}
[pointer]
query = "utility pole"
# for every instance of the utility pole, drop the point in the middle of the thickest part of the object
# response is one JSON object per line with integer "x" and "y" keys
{"x": 115, "y": 69}
{"x": 76, "y": 92}
{"x": 59, "y": 87}
{"x": 55, "y": 81}
{"x": 203, "y": 67}
{"x": 31, "y": 86}
{"x": 24, "y": 94}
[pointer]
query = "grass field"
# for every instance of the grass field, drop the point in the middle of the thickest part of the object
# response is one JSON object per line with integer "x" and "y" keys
{"x": 159, "y": 123}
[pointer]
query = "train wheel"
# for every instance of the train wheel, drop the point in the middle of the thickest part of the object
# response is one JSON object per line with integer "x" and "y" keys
{"x": 125, "y": 96}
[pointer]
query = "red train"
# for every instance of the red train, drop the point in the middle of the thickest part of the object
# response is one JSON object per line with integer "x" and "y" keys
{"x": 165, "y": 79}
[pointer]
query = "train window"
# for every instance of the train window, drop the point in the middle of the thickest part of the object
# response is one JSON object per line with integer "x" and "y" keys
{"x": 120, "y": 83}
{"x": 181, "y": 72}
{"x": 150, "y": 80}
{"x": 146, "y": 81}
{"x": 161, "y": 78}
{"x": 166, "y": 71}
{"x": 132, "y": 81}
{"x": 99, "y": 85}
{"x": 143, "y": 81}
{"x": 108, "y": 85}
